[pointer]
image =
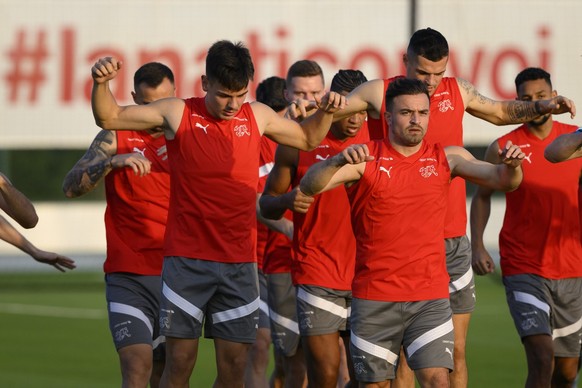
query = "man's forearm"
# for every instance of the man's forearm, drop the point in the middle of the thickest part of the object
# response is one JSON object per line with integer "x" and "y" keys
{"x": 564, "y": 147}
{"x": 316, "y": 127}
{"x": 319, "y": 175}
{"x": 103, "y": 104}
{"x": 80, "y": 181}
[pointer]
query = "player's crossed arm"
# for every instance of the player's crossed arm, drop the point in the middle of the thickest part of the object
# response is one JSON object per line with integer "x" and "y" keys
{"x": 343, "y": 168}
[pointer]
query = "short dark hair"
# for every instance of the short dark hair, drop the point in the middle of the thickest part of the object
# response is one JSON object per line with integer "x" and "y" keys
{"x": 270, "y": 92}
{"x": 152, "y": 74}
{"x": 230, "y": 65}
{"x": 304, "y": 68}
{"x": 532, "y": 74}
{"x": 428, "y": 43}
{"x": 404, "y": 86}
{"x": 347, "y": 80}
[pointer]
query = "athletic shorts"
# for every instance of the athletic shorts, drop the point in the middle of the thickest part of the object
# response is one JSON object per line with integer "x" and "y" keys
{"x": 133, "y": 305}
{"x": 283, "y": 313}
{"x": 462, "y": 282}
{"x": 263, "y": 302}
{"x": 379, "y": 329}
{"x": 545, "y": 306}
{"x": 225, "y": 296}
{"x": 322, "y": 310}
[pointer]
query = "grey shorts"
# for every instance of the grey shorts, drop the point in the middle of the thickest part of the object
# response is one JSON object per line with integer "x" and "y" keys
{"x": 283, "y": 313}
{"x": 133, "y": 305}
{"x": 225, "y": 296}
{"x": 424, "y": 329}
{"x": 322, "y": 310}
{"x": 462, "y": 281}
{"x": 263, "y": 302}
{"x": 545, "y": 306}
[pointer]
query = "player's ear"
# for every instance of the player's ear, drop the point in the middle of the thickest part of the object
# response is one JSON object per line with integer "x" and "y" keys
{"x": 204, "y": 83}
{"x": 554, "y": 93}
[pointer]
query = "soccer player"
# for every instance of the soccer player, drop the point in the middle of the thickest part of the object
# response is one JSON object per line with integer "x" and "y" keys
{"x": 304, "y": 84}
{"x": 18, "y": 207}
{"x": 539, "y": 243}
{"x": 323, "y": 244}
{"x": 397, "y": 188}
{"x": 135, "y": 167}
{"x": 426, "y": 59}
{"x": 210, "y": 272}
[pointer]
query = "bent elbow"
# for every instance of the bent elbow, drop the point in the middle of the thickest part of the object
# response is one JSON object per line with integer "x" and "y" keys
{"x": 30, "y": 223}
{"x": 552, "y": 157}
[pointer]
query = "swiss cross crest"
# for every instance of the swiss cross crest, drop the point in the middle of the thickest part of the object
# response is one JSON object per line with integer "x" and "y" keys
{"x": 427, "y": 171}
{"x": 446, "y": 105}
{"x": 241, "y": 130}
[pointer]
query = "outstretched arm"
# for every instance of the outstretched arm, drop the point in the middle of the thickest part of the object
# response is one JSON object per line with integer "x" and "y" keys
{"x": 344, "y": 168}
{"x": 366, "y": 97}
{"x": 98, "y": 161}
{"x": 565, "y": 147}
{"x": 511, "y": 111}
{"x": 480, "y": 211}
{"x": 9, "y": 234}
{"x": 305, "y": 135}
{"x": 505, "y": 176}
{"x": 16, "y": 204}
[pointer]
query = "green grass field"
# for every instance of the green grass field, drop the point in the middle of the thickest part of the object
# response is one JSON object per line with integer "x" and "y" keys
{"x": 54, "y": 333}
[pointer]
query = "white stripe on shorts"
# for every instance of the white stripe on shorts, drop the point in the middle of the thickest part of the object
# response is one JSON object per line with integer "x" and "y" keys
{"x": 182, "y": 303}
{"x": 121, "y": 308}
{"x": 567, "y": 330}
{"x": 264, "y": 307}
{"x": 265, "y": 169}
{"x": 530, "y": 299}
{"x": 287, "y": 323}
{"x": 374, "y": 350}
{"x": 461, "y": 282}
{"x": 322, "y": 304}
{"x": 160, "y": 340}
{"x": 430, "y": 336}
{"x": 236, "y": 313}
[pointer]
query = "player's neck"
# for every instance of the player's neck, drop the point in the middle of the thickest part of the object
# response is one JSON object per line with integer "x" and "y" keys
{"x": 406, "y": 150}
{"x": 541, "y": 131}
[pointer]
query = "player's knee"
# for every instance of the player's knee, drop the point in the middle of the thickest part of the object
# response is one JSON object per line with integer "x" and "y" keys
{"x": 322, "y": 374}
{"x": 136, "y": 366}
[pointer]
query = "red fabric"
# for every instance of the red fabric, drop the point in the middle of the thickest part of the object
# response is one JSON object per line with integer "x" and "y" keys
{"x": 398, "y": 215}
{"x": 214, "y": 181}
{"x": 137, "y": 208}
{"x": 324, "y": 247}
{"x": 541, "y": 228}
{"x": 445, "y": 127}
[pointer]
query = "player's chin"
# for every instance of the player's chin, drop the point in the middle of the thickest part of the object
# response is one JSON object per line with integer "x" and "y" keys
{"x": 228, "y": 114}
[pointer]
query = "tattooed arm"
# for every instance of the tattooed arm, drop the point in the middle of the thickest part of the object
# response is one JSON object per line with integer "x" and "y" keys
{"x": 93, "y": 166}
{"x": 510, "y": 111}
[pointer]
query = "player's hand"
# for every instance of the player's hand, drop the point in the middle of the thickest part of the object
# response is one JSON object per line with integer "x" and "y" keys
{"x": 105, "y": 69}
{"x": 557, "y": 105}
{"x": 354, "y": 154}
{"x": 298, "y": 201}
{"x": 482, "y": 262}
{"x": 511, "y": 155}
{"x": 137, "y": 162}
{"x": 300, "y": 109}
{"x": 331, "y": 102}
{"x": 58, "y": 261}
